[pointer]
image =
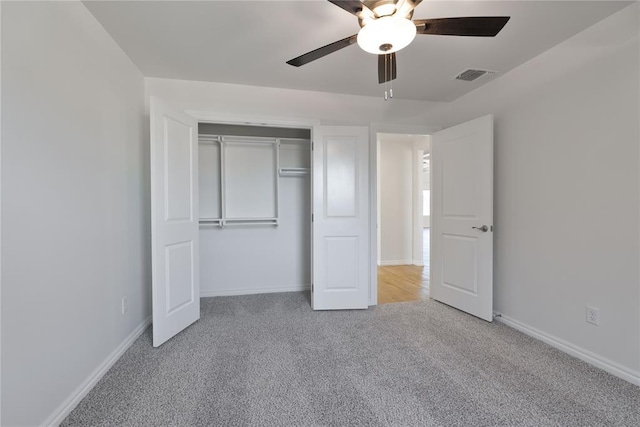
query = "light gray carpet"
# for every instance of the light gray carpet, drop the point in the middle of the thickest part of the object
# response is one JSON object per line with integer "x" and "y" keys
{"x": 269, "y": 360}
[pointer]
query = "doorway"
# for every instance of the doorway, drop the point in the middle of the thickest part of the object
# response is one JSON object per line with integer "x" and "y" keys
{"x": 403, "y": 212}
{"x": 254, "y": 209}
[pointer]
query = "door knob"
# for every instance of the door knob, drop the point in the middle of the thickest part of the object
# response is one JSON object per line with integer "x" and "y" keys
{"x": 484, "y": 228}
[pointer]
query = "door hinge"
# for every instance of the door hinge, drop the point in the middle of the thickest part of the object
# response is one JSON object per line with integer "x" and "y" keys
{"x": 312, "y": 288}
{"x": 492, "y": 228}
{"x": 311, "y": 217}
{"x": 312, "y": 146}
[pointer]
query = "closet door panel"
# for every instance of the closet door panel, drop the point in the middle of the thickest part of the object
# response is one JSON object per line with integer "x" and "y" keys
{"x": 174, "y": 221}
{"x": 341, "y": 218}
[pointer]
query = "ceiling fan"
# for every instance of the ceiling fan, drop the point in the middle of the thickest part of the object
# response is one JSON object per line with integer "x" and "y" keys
{"x": 386, "y": 27}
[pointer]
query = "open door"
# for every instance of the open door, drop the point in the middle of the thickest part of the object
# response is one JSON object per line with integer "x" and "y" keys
{"x": 174, "y": 221}
{"x": 340, "y": 278}
{"x": 462, "y": 217}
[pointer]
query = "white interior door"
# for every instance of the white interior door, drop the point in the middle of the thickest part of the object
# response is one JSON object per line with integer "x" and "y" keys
{"x": 174, "y": 221}
{"x": 341, "y": 218}
{"x": 462, "y": 217}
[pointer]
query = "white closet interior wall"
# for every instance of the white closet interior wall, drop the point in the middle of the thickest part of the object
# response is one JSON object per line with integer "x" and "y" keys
{"x": 255, "y": 257}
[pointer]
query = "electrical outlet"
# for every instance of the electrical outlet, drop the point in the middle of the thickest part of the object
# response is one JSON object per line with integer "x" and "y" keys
{"x": 593, "y": 315}
{"x": 125, "y": 305}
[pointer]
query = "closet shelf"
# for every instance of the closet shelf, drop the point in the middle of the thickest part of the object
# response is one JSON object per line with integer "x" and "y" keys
{"x": 231, "y": 223}
{"x": 210, "y": 220}
{"x": 238, "y": 221}
{"x": 293, "y": 171}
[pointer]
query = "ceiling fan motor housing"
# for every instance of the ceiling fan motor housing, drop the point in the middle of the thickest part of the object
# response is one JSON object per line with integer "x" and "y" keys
{"x": 382, "y": 7}
{"x": 379, "y": 8}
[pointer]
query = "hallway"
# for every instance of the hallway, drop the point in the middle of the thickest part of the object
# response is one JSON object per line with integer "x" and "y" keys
{"x": 402, "y": 283}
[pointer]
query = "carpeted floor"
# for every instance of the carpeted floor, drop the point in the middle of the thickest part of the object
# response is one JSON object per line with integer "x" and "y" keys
{"x": 269, "y": 360}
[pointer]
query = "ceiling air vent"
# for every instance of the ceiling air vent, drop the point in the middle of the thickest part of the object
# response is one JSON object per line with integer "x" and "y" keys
{"x": 471, "y": 75}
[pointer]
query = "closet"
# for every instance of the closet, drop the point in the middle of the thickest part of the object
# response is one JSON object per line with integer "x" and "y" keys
{"x": 231, "y": 213}
{"x": 254, "y": 209}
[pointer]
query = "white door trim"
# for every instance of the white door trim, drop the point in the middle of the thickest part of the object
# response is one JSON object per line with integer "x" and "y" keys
{"x": 417, "y": 152}
{"x": 249, "y": 120}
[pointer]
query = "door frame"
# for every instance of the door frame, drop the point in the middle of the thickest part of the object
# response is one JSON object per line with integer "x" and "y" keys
{"x": 217, "y": 117}
{"x": 374, "y": 129}
{"x": 418, "y": 150}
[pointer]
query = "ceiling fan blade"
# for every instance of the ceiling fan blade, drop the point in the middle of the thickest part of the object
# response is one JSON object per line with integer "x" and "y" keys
{"x": 322, "y": 51}
{"x": 475, "y": 26}
{"x": 353, "y": 6}
{"x": 386, "y": 67}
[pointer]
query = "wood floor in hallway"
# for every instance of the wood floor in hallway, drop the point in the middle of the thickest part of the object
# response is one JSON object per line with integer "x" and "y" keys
{"x": 402, "y": 283}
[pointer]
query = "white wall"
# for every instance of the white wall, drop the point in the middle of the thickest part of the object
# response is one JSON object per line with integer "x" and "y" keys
{"x": 264, "y": 103}
{"x": 258, "y": 259}
{"x": 567, "y": 190}
{"x": 395, "y": 193}
{"x": 74, "y": 205}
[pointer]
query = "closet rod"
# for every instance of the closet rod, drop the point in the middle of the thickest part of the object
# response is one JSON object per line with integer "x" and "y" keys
{"x": 248, "y": 142}
{"x": 250, "y": 219}
{"x": 238, "y": 137}
{"x": 282, "y": 138}
{"x": 210, "y": 219}
{"x": 293, "y": 140}
{"x": 235, "y": 224}
{"x": 294, "y": 171}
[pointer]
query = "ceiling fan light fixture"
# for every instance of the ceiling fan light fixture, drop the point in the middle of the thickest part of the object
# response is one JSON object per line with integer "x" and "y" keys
{"x": 386, "y": 35}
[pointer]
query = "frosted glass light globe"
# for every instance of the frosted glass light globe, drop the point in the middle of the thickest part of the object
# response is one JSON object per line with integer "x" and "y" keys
{"x": 386, "y": 35}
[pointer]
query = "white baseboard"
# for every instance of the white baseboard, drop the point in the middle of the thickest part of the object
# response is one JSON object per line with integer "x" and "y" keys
{"x": 78, "y": 394}
{"x": 585, "y": 355}
{"x": 232, "y": 292}
{"x": 418, "y": 262}
{"x": 395, "y": 262}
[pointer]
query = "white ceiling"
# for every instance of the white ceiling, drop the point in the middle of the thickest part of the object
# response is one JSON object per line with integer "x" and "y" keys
{"x": 248, "y": 42}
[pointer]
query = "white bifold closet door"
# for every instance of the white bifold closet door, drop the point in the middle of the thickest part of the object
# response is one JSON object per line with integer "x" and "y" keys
{"x": 340, "y": 278}
{"x": 174, "y": 221}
